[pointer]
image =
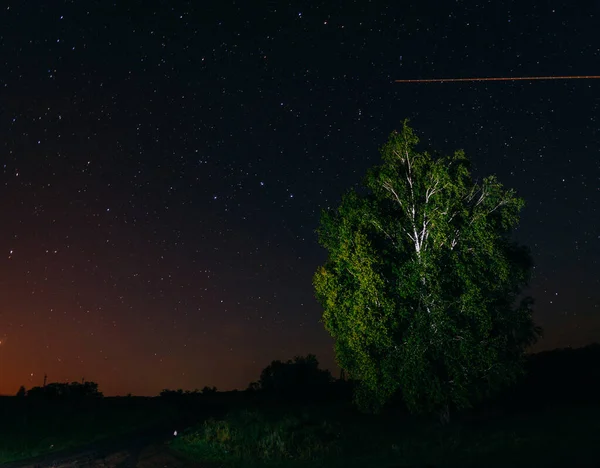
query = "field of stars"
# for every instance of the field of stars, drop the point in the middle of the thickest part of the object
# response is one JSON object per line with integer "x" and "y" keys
{"x": 163, "y": 166}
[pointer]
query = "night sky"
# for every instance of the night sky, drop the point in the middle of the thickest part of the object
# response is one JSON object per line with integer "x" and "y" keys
{"x": 163, "y": 168}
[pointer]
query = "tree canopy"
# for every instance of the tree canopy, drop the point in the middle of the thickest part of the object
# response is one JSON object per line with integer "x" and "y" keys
{"x": 298, "y": 378}
{"x": 421, "y": 287}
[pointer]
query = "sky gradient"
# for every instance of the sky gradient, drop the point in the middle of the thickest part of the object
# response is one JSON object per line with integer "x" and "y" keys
{"x": 163, "y": 167}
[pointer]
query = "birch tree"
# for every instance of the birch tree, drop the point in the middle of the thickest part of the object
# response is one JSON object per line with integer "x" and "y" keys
{"x": 420, "y": 290}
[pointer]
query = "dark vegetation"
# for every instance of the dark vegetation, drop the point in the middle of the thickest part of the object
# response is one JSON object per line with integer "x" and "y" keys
{"x": 61, "y": 416}
{"x": 296, "y": 414}
{"x": 549, "y": 418}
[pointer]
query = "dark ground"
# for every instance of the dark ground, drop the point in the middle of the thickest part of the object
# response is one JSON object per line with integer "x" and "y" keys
{"x": 144, "y": 449}
{"x": 550, "y": 419}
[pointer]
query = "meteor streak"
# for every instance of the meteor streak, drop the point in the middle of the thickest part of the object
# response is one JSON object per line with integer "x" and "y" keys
{"x": 499, "y": 78}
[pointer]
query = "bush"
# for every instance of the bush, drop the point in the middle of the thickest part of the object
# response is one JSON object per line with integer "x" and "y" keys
{"x": 252, "y": 435}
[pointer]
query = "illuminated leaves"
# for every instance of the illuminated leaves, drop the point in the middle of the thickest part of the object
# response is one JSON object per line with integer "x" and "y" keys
{"x": 421, "y": 279}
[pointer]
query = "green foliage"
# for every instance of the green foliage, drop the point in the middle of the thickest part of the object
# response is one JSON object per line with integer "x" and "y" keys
{"x": 421, "y": 281}
{"x": 557, "y": 437}
{"x": 256, "y": 436}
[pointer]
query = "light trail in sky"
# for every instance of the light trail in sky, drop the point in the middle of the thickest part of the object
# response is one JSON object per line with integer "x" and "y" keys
{"x": 516, "y": 78}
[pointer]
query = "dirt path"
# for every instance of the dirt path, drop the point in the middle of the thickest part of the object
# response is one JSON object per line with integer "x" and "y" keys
{"x": 145, "y": 450}
{"x": 152, "y": 456}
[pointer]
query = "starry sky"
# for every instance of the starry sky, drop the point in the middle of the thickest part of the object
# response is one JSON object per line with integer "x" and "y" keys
{"x": 163, "y": 166}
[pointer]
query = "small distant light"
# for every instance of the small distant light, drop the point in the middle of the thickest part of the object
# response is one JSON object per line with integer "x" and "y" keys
{"x": 175, "y": 434}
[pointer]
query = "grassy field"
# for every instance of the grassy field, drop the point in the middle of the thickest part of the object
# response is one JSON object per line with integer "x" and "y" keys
{"x": 32, "y": 428}
{"x": 338, "y": 437}
{"x": 533, "y": 424}
{"x": 237, "y": 431}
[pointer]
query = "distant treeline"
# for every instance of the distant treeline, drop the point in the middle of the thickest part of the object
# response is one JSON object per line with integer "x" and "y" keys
{"x": 561, "y": 376}
{"x": 298, "y": 379}
{"x": 55, "y": 390}
{"x": 556, "y": 377}
{"x": 166, "y": 393}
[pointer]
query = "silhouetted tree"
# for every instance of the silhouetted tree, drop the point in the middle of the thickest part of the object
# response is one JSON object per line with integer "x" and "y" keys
{"x": 21, "y": 392}
{"x": 166, "y": 393}
{"x": 209, "y": 390}
{"x": 180, "y": 393}
{"x": 84, "y": 389}
{"x": 421, "y": 281}
{"x": 253, "y": 387}
{"x": 297, "y": 378}
{"x": 74, "y": 390}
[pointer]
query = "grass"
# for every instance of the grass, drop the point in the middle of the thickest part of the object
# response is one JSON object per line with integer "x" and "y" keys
{"x": 256, "y": 434}
{"x": 557, "y": 437}
{"x": 248, "y": 436}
